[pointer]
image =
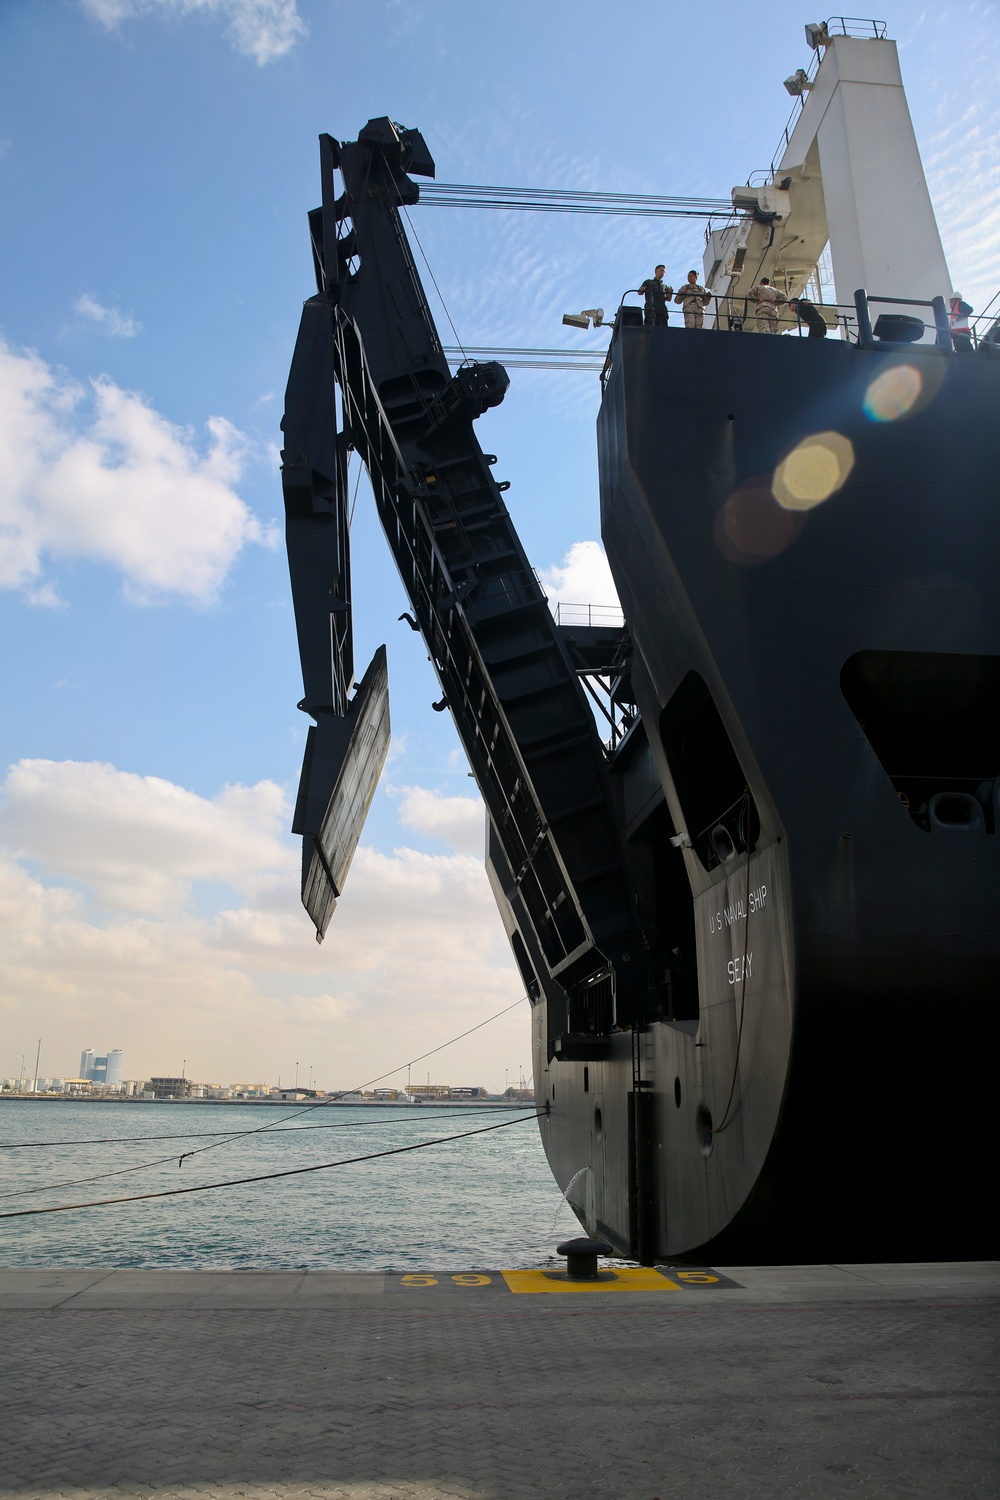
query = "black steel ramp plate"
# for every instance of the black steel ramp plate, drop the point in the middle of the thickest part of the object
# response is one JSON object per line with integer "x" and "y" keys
{"x": 344, "y": 759}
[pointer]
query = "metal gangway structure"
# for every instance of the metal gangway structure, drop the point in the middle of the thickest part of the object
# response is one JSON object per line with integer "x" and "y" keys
{"x": 369, "y": 374}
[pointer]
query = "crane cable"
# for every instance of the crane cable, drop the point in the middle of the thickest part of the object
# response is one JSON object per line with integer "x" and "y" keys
{"x": 430, "y": 273}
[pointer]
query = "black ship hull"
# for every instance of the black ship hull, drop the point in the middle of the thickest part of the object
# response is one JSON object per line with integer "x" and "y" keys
{"x": 758, "y": 928}
{"x": 809, "y": 800}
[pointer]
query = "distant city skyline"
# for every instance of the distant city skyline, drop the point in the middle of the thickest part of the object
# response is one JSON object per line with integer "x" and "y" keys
{"x": 106, "y": 1072}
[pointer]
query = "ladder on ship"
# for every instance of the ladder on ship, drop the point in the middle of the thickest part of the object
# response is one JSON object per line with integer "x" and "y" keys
{"x": 507, "y": 680}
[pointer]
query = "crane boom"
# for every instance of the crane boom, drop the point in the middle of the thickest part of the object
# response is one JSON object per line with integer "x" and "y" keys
{"x": 521, "y": 714}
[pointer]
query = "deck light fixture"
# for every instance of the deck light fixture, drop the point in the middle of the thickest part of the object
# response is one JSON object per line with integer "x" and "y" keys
{"x": 798, "y": 83}
{"x": 582, "y": 319}
{"x": 817, "y": 34}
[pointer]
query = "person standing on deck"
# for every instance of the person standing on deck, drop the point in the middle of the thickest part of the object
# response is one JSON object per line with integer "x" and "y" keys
{"x": 656, "y": 295}
{"x": 768, "y": 300}
{"x": 810, "y": 315}
{"x": 693, "y": 299}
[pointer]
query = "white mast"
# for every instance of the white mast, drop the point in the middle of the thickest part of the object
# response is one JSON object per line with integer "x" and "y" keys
{"x": 850, "y": 174}
{"x": 856, "y": 134}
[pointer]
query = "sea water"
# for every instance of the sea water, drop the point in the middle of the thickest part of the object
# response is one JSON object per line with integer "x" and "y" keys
{"x": 486, "y": 1202}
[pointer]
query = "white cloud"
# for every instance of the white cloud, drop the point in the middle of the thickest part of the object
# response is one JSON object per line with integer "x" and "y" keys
{"x": 414, "y": 955}
{"x": 262, "y": 29}
{"x": 957, "y": 119}
{"x": 99, "y": 474}
{"x": 139, "y": 842}
{"x": 118, "y": 324}
{"x": 458, "y": 821}
{"x": 583, "y": 577}
{"x": 968, "y": 151}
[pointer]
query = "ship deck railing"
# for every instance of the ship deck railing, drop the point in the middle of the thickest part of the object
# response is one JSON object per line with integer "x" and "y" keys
{"x": 733, "y": 312}
{"x": 591, "y": 616}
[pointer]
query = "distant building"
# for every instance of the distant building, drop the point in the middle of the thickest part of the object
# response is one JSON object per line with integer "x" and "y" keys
{"x": 169, "y": 1088}
{"x": 445, "y": 1091}
{"x": 107, "y": 1070}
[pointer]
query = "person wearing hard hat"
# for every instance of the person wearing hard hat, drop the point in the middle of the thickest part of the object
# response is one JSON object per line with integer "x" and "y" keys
{"x": 959, "y": 312}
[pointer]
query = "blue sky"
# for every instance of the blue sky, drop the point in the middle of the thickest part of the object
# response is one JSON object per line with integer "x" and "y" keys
{"x": 157, "y": 161}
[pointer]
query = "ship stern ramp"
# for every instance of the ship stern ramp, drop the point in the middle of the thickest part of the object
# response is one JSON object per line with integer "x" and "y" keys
{"x": 343, "y": 761}
{"x": 806, "y": 566}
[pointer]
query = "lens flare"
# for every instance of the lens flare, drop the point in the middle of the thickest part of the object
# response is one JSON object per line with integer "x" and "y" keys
{"x": 813, "y": 470}
{"x": 751, "y": 527}
{"x": 893, "y": 394}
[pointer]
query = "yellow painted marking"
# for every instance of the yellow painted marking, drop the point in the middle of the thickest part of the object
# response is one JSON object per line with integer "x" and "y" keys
{"x": 634, "y": 1279}
{"x": 472, "y": 1278}
{"x": 697, "y": 1278}
{"x": 419, "y": 1280}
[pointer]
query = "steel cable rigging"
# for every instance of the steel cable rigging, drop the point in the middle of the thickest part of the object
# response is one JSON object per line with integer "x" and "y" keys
{"x": 570, "y": 201}
{"x": 325, "y": 1166}
{"x": 531, "y": 359}
{"x": 274, "y": 1126}
{"x": 190, "y": 1135}
{"x": 162, "y": 1161}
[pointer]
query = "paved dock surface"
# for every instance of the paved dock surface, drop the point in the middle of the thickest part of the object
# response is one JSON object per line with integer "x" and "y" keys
{"x": 806, "y": 1381}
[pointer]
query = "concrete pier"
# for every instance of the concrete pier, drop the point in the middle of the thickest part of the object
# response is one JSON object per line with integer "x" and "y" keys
{"x": 807, "y": 1381}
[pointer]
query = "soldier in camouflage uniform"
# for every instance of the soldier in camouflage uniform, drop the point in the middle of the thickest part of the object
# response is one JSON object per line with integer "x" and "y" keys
{"x": 657, "y": 295}
{"x": 768, "y": 300}
{"x": 693, "y": 299}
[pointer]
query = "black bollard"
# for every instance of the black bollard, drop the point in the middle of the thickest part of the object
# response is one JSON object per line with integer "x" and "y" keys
{"x": 581, "y": 1258}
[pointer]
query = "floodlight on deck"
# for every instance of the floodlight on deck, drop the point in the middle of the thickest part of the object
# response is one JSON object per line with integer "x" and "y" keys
{"x": 817, "y": 34}
{"x": 798, "y": 83}
{"x": 583, "y": 319}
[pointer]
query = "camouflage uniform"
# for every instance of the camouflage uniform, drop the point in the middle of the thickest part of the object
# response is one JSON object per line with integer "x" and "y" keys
{"x": 768, "y": 300}
{"x": 693, "y": 299}
{"x": 656, "y": 294}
